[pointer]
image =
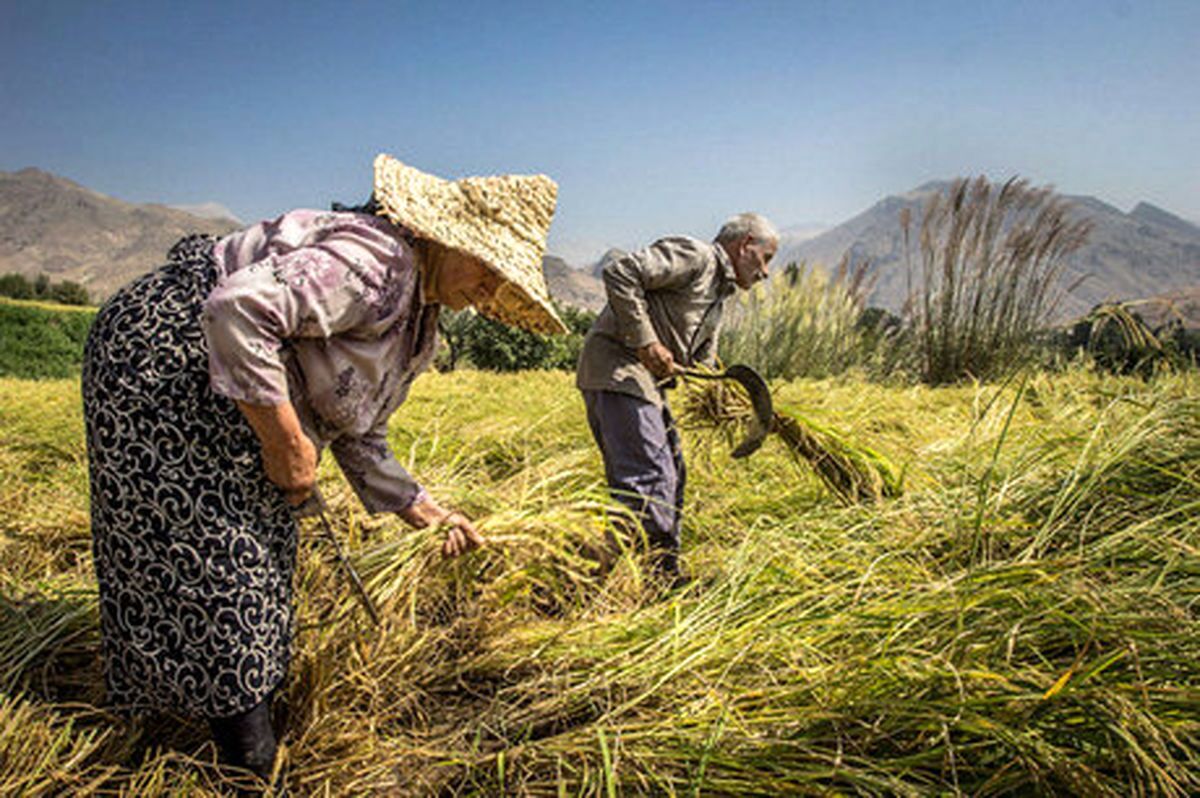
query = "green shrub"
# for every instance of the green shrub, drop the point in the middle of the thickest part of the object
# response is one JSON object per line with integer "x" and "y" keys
{"x": 41, "y": 342}
{"x": 67, "y": 292}
{"x": 493, "y": 346}
{"x": 15, "y": 286}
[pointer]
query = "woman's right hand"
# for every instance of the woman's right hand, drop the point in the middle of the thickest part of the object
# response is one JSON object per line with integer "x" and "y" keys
{"x": 289, "y": 457}
{"x": 293, "y": 467}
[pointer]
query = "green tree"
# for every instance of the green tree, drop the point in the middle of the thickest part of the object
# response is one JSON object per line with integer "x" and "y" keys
{"x": 566, "y": 348}
{"x": 69, "y": 293}
{"x": 15, "y": 286}
{"x": 493, "y": 346}
{"x": 453, "y": 328}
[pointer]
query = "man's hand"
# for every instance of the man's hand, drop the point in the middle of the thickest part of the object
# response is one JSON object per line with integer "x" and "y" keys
{"x": 461, "y": 534}
{"x": 657, "y": 358}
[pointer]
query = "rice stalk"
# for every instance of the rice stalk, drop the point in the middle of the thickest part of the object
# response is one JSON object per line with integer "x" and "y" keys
{"x": 41, "y": 629}
{"x": 41, "y": 754}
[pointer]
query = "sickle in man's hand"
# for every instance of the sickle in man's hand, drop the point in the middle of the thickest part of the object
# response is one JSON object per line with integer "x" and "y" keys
{"x": 760, "y": 400}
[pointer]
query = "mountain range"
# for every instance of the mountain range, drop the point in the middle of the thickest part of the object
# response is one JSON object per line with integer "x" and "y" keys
{"x": 50, "y": 224}
{"x": 1143, "y": 253}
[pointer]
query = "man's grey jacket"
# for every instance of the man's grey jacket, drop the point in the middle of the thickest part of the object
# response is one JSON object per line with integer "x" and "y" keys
{"x": 673, "y": 292}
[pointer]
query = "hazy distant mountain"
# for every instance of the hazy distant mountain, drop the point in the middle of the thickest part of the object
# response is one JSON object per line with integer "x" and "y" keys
{"x": 209, "y": 210}
{"x": 49, "y": 224}
{"x": 572, "y": 286}
{"x": 796, "y": 233}
{"x": 1128, "y": 255}
{"x": 575, "y": 250}
{"x": 1146, "y": 212}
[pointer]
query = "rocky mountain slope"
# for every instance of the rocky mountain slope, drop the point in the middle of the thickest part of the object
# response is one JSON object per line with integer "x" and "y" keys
{"x": 572, "y": 286}
{"x": 1181, "y": 305}
{"x": 52, "y": 225}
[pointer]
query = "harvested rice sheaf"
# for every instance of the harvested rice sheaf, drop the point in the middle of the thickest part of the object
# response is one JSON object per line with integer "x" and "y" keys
{"x": 856, "y": 474}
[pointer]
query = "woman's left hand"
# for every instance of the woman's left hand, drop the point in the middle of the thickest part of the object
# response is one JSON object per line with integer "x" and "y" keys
{"x": 461, "y": 534}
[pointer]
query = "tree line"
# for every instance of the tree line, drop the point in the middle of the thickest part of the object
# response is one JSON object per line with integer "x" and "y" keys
{"x": 469, "y": 339}
{"x": 64, "y": 292}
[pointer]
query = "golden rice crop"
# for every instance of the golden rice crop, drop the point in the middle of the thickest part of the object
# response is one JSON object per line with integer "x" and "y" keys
{"x": 1020, "y": 621}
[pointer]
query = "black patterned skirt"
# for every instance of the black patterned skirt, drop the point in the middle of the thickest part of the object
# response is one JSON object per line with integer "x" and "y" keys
{"x": 194, "y": 548}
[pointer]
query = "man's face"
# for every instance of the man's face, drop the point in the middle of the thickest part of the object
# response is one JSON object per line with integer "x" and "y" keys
{"x": 751, "y": 259}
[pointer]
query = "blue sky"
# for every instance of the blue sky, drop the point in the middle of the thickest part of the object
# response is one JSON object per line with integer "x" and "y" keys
{"x": 655, "y": 117}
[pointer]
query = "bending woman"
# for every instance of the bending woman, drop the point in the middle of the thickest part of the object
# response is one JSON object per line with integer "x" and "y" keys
{"x": 212, "y": 384}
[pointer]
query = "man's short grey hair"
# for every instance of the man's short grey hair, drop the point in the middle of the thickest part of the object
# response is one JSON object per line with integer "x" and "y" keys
{"x": 757, "y": 227}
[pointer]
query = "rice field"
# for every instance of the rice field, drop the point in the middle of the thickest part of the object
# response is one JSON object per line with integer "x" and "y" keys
{"x": 1023, "y": 618}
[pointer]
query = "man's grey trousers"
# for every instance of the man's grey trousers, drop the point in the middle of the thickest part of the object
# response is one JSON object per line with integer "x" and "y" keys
{"x": 643, "y": 464}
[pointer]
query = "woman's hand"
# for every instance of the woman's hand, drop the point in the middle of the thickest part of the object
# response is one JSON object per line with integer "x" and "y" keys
{"x": 289, "y": 457}
{"x": 293, "y": 467}
{"x": 461, "y": 534}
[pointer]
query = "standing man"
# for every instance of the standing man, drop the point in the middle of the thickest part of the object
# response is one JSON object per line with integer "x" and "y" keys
{"x": 664, "y": 311}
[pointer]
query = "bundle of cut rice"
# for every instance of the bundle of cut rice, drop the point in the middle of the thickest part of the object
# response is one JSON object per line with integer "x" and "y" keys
{"x": 853, "y": 472}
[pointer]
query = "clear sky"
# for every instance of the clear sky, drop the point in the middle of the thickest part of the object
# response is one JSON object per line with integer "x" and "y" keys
{"x": 654, "y": 117}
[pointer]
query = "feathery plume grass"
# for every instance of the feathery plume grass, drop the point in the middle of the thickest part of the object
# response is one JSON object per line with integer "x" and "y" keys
{"x": 802, "y": 322}
{"x": 990, "y": 262}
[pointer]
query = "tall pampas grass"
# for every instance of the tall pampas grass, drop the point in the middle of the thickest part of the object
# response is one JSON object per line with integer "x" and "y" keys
{"x": 988, "y": 277}
{"x": 802, "y": 322}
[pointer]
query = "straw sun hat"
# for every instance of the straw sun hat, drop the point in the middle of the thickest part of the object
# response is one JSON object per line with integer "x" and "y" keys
{"x": 501, "y": 221}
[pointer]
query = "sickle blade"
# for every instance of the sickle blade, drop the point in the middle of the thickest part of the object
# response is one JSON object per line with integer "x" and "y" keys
{"x": 760, "y": 400}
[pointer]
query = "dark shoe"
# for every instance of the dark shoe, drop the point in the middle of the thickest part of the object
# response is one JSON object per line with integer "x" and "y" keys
{"x": 247, "y": 740}
{"x": 664, "y": 564}
{"x": 679, "y": 582}
{"x": 667, "y": 575}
